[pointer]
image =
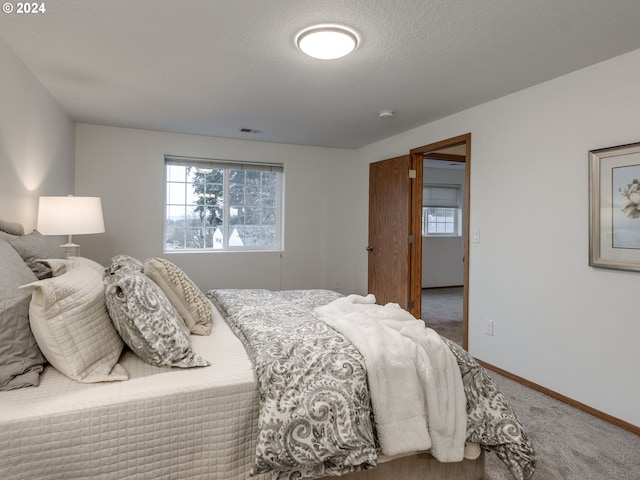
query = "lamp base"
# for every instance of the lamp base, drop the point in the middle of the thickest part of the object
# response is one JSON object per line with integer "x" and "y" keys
{"x": 70, "y": 249}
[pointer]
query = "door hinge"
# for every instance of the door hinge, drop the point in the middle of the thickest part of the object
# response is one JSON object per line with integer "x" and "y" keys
{"x": 412, "y": 174}
{"x": 411, "y": 240}
{"x": 410, "y": 304}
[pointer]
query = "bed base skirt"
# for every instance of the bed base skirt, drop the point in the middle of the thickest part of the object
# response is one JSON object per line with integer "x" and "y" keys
{"x": 421, "y": 466}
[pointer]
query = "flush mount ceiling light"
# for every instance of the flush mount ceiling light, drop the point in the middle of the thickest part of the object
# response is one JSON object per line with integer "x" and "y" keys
{"x": 327, "y": 42}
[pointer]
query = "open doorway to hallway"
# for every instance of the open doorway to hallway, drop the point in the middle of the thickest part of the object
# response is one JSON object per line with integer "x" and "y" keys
{"x": 444, "y": 236}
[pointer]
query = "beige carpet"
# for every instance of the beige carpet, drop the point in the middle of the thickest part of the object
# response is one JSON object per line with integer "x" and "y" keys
{"x": 569, "y": 444}
{"x": 442, "y": 311}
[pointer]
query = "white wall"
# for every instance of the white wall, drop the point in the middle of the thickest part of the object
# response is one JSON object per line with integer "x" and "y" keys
{"x": 36, "y": 143}
{"x": 442, "y": 257}
{"x": 442, "y": 262}
{"x": 558, "y": 322}
{"x": 126, "y": 168}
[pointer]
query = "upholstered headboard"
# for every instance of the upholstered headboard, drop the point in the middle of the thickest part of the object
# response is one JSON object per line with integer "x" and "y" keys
{"x": 9, "y": 230}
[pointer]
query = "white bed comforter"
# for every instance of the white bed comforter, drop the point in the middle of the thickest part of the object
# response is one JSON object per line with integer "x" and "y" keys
{"x": 416, "y": 388}
{"x": 162, "y": 423}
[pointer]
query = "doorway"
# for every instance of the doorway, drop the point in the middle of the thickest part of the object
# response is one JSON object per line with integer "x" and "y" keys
{"x": 452, "y": 154}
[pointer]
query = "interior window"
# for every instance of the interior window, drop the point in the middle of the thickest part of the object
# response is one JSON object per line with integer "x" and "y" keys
{"x": 441, "y": 210}
{"x": 217, "y": 205}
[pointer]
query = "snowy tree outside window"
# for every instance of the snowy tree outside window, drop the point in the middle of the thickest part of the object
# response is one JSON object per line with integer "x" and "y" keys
{"x": 216, "y": 205}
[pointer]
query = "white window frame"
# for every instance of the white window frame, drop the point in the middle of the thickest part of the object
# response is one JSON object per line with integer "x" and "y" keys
{"x": 226, "y": 228}
{"x": 449, "y": 202}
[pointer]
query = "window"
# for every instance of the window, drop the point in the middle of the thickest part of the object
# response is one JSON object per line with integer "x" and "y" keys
{"x": 441, "y": 210}
{"x": 216, "y": 205}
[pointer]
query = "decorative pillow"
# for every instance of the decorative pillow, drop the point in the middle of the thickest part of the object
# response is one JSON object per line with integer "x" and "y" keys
{"x": 21, "y": 361}
{"x": 33, "y": 247}
{"x": 59, "y": 266}
{"x": 125, "y": 262}
{"x": 184, "y": 295}
{"x": 147, "y": 321}
{"x": 70, "y": 322}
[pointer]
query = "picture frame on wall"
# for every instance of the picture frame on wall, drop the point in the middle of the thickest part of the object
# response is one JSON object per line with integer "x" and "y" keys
{"x": 614, "y": 207}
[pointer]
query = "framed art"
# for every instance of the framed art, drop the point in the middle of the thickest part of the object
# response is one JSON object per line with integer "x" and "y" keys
{"x": 614, "y": 207}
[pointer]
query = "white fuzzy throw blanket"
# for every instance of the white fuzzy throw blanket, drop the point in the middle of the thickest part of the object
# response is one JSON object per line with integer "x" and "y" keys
{"x": 416, "y": 388}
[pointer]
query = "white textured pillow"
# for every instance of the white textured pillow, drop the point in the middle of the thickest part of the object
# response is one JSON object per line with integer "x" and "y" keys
{"x": 62, "y": 265}
{"x": 69, "y": 319}
{"x": 184, "y": 295}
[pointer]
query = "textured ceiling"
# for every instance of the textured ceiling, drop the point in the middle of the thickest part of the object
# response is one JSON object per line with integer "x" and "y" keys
{"x": 214, "y": 67}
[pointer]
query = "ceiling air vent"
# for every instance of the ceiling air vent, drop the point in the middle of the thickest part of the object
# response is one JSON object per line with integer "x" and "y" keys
{"x": 251, "y": 130}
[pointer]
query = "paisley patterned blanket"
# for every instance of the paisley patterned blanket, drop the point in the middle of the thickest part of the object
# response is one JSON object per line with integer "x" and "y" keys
{"x": 490, "y": 420}
{"x": 315, "y": 417}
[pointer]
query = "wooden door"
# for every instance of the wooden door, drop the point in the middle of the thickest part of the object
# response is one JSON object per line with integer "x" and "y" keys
{"x": 389, "y": 231}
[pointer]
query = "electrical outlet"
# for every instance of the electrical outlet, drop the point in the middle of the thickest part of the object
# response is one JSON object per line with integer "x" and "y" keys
{"x": 488, "y": 327}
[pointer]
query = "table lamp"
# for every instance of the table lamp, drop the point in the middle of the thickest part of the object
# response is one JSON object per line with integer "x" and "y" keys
{"x": 70, "y": 216}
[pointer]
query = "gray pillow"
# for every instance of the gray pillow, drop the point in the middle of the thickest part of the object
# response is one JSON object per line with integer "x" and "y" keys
{"x": 21, "y": 361}
{"x": 36, "y": 246}
{"x": 147, "y": 322}
{"x": 124, "y": 262}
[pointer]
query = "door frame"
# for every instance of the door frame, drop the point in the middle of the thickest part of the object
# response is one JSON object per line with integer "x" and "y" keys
{"x": 417, "y": 155}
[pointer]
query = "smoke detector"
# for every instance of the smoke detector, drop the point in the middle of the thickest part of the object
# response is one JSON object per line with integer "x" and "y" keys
{"x": 386, "y": 114}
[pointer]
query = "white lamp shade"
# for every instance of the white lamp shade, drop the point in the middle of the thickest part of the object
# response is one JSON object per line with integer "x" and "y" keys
{"x": 70, "y": 215}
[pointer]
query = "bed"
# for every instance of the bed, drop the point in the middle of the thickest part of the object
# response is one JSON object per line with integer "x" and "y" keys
{"x": 204, "y": 417}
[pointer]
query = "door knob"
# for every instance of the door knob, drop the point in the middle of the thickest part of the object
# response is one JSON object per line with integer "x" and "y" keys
{"x": 369, "y": 248}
